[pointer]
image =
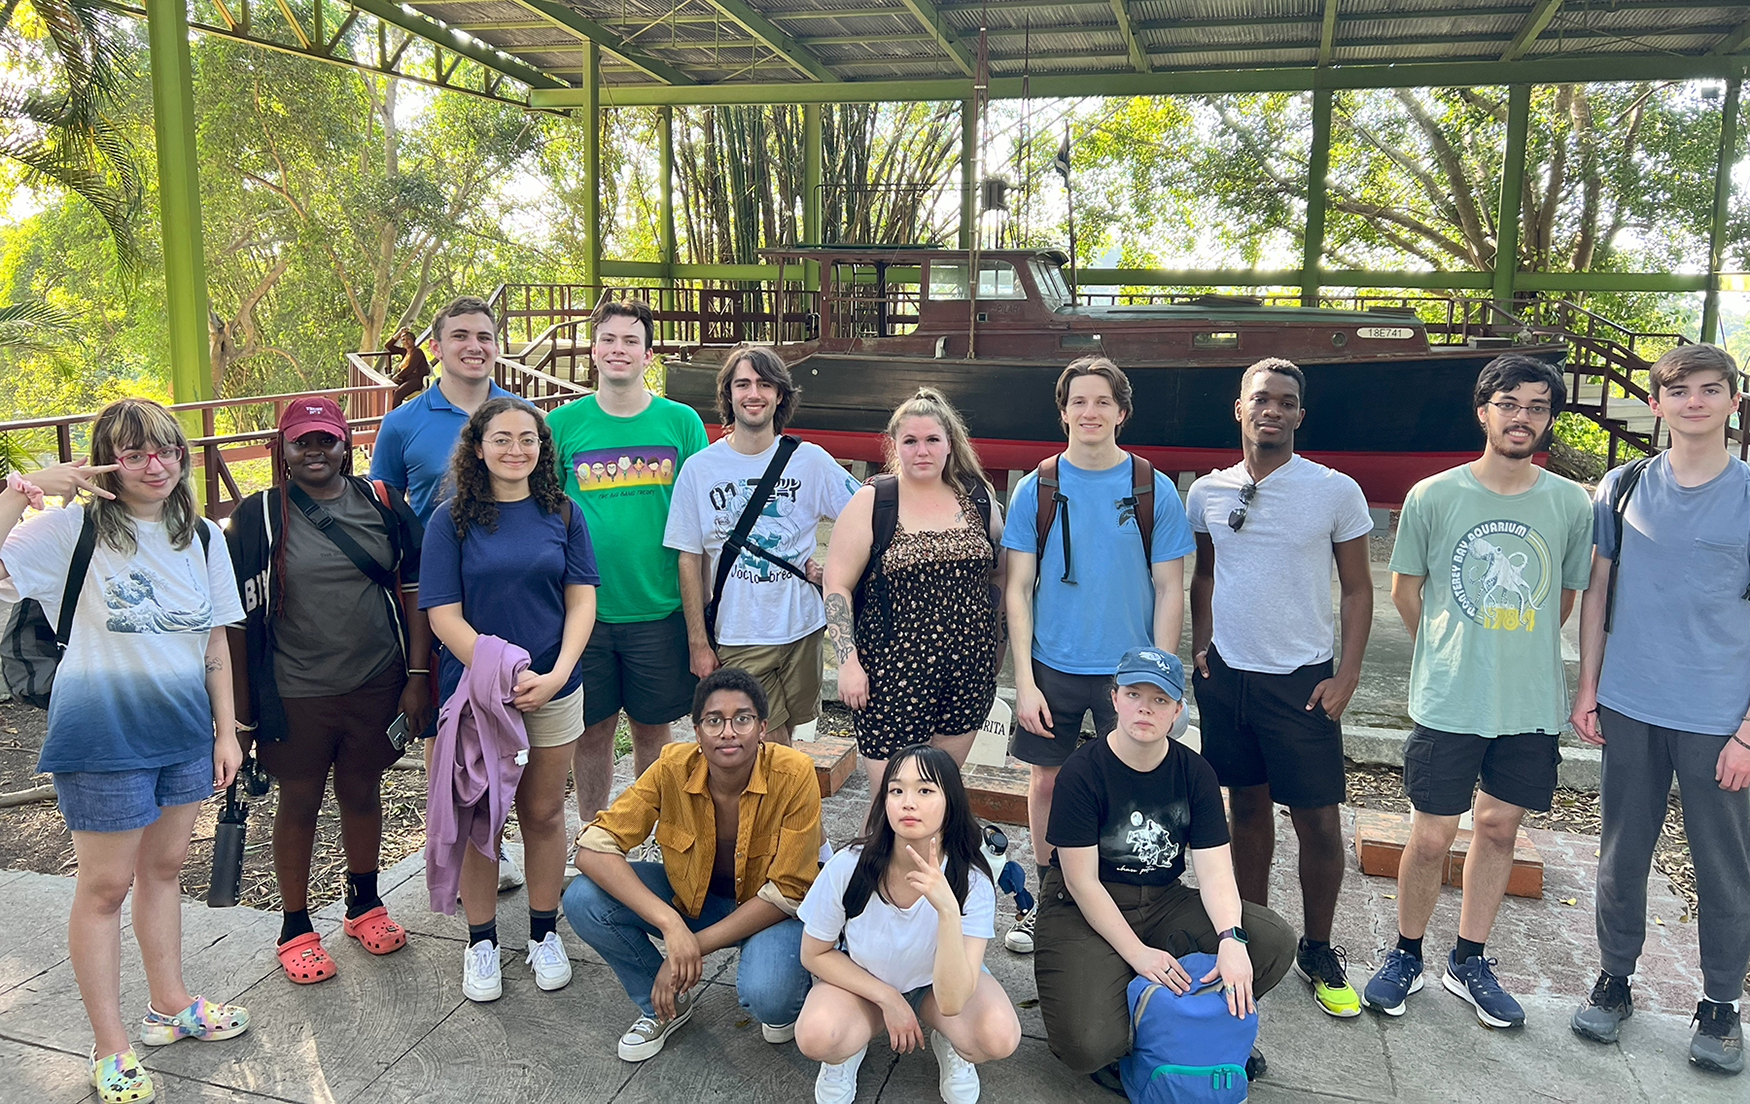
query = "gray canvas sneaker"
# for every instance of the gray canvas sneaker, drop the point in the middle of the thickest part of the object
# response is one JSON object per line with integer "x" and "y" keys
{"x": 645, "y": 1037}
{"x": 1718, "y": 1044}
{"x": 1600, "y": 1018}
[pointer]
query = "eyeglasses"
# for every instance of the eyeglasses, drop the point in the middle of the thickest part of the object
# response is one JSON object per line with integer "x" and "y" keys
{"x": 742, "y": 723}
{"x": 137, "y": 461}
{"x": 1513, "y": 409}
{"x": 1237, "y": 520}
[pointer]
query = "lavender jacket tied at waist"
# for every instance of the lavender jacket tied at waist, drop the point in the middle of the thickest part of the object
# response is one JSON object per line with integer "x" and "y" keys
{"x": 475, "y": 767}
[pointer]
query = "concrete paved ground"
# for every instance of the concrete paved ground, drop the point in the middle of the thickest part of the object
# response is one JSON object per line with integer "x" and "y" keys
{"x": 397, "y": 1028}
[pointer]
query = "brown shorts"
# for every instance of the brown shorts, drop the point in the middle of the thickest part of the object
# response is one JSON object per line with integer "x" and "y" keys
{"x": 790, "y": 675}
{"x": 348, "y": 732}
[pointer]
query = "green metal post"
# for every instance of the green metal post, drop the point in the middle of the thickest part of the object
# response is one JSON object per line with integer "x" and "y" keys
{"x": 1710, "y": 310}
{"x": 1318, "y": 167}
{"x": 813, "y": 179}
{"x": 1512, "y": 186}
{"x": 968, "y": 171}
{"x": 592, "y": 161}
{"x": 665, "y": 202}
{"x": 179, "y": 204}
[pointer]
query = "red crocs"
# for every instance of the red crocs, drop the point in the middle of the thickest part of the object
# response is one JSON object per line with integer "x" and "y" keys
{"x": 304, "y": 960}
{"x": 376, "y": 932}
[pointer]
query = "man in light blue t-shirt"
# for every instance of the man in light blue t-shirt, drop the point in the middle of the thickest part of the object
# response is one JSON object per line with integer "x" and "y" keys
{"x": 1092, "y": 595}
{"x": 1663, "y": 689}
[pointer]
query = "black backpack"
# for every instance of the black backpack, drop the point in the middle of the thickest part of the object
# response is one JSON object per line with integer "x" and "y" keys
{"x": 31, "y": 648}
{"x": 1619, "y": 496}
{"x": 886, "y": 521}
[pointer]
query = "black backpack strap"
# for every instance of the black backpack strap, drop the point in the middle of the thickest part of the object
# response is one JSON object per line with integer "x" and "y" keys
{"x": 884, "y": 522}
{"x": 736, "y": 542}
{"x": 324, "y": 521}
{"x": 980, "y": 492}
{"x": 1142, "y": 501}
{"x": 1055, "y": 508}
{"x": 83, "y": 549}
{"x": 1619, "y": 495}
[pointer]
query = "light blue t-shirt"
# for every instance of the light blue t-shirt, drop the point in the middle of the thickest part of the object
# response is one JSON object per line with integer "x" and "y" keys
{"x": 1678, "y": 654}
{"x": 414, "y": 445}
{"x": 1082, "y": 625}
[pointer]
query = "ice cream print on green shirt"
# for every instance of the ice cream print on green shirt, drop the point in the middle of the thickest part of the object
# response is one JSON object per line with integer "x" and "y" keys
{"x": 605, "y": 471}
{"x": 1501, "y": 575}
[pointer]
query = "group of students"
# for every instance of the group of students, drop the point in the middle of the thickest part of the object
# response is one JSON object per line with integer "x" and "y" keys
{"x": 470, "y": 549}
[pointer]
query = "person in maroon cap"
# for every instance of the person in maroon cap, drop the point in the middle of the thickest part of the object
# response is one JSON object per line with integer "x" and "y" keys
{"x": 323, "y": 550}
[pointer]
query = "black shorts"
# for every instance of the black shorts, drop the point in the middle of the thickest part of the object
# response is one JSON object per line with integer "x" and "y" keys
{"x": 640, "y": 666}
{"x": 1068, "y": 697}
{"x": 1257, "y": 730}
{"x": 1442, "y": 768}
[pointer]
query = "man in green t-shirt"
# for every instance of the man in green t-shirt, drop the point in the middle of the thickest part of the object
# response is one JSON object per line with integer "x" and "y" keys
{"x": 618, "y": 453}
{"x": 1489, "y": 556}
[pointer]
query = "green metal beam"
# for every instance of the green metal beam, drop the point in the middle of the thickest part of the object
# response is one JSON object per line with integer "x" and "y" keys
{"x": 445, "y": 35}
{"x": 1132, "y": 44}
{"x": 968, "y": 171}
{"x": 568, "y": 18}
{"x": 927, "y": 14}
{"x": 179, "y": 200}
{"x": 1318, "y": 168}
{"x": 1723, "y": 165}
{"x": 776, "y": 39}
{"x": 863, "y": 39}
{"x": 813, "y": 173}
{"x": 1532, "y": 27}
{"x": 591, "y": 119}
{"x": 1512, "y": 187}
{"x": 1328, "y": 33}
{"x": 652, "y": 270}
{"x": 1624, "y": 68}
{"x": 665, "y": 189}
{"x": 1733, "y": 42}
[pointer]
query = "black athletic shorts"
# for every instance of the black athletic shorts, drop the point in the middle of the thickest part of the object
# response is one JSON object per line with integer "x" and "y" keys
{"x": 1442, "y": 768}
{"x": 1068, "y": 697}
{"x": 1257, "y": 729}
{"x": 640, "y": 666}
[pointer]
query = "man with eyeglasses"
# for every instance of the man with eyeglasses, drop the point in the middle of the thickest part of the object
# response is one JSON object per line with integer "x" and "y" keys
{"x": 1270, "y": 691}
{"x": 738, "y": 825}
{"x": 1489, "y": 556}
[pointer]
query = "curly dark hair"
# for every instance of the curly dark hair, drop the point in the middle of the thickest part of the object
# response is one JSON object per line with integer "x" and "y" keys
{"x": 472, "y": 503}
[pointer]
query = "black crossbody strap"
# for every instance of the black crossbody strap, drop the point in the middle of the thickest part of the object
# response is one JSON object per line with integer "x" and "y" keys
{"x": 324, "y": 521}
{"x": 76, "y": 569}
{"x": 737, "y": 539}
{"x": 1625, "y": 486}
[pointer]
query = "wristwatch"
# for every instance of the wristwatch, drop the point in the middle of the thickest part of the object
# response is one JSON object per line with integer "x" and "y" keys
{"x": 1236, "y": 932}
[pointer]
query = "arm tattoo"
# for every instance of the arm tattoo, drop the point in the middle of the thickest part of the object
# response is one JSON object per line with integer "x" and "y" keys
{"x": 214, "y": 664}
{"x": 839, "y": 628}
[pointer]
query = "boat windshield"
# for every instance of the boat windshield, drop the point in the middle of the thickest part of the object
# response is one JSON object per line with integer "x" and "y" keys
{"x": 1052, "y": 288}
{"x": 996, "y": 280}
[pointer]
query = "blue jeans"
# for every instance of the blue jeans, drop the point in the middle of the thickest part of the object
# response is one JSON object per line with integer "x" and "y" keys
{"x": 769, "y": 980}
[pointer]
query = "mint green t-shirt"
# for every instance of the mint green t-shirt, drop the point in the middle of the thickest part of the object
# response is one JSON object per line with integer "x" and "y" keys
{"x": 1488, "y": 658}
{"x": 620, "y": 472}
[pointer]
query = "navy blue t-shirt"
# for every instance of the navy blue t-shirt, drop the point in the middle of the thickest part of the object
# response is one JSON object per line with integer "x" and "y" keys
{"x": 511, "y": 582}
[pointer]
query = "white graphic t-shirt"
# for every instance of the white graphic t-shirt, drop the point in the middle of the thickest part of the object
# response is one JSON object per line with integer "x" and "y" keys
{"x": 762, "y": 602}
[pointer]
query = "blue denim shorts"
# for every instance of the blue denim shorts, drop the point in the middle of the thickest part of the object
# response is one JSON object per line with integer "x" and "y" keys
{"x": 120, "y": 801}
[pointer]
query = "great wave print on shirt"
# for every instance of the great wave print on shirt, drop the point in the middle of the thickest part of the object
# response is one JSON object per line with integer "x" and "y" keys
{"x": 132, "y": 600}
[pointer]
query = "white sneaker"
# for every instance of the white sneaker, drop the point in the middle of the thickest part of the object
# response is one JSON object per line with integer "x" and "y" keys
{"x": 1020, "y": 937}
{"x": 778, "y": 1033}
{"x": 958, "y": 1079}
{"x": 481, "y": 980}
{"x": 552, "y": 968}
{"x": 510, "y": 874}
{"x": 644, "y": 1039}
{"x": 837, "y": 1084}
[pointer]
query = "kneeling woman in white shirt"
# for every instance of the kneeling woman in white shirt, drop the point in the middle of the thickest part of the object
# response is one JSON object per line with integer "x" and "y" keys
{"x": 894, "y": 930}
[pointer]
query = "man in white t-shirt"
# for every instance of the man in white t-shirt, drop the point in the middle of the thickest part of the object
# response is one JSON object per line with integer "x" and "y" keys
{"x": 762, "y": 609}
{"x": 1269, "y": 696}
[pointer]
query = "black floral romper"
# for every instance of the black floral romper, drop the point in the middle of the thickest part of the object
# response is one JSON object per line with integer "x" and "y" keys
{"x": 927, "y": 638}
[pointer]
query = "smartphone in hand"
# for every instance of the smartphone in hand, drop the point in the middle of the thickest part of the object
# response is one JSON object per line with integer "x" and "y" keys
{"x": 398, "y": 732}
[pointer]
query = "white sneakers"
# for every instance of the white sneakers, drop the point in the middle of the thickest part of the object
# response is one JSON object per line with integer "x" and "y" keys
{"x": 778, "y": 1033}
{"x": 481, "y": 980}
{"x": 958, "y": 1079}
{"x": 510, "y": 873}
{"x": 837, "y": 1084}
{"x": 551, "y": 967}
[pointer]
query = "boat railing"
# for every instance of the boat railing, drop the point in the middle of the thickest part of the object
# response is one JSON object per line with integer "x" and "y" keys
{"x": 688, "y": 314}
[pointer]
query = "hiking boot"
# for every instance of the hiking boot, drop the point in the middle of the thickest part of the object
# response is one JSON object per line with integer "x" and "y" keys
{"x": 1474, "y": 981}
{"x": 1323, "y": 966}
{"x": 1393, "y": 982}
{"x": 1020, "y": 937}
{"x": 644, "y": 1039}
{"x": 957, "y": 1079}
{"x": 1600, "y": 1018}
{"x": 1718, "y": 1044}
{"x": 836, "y": 1083}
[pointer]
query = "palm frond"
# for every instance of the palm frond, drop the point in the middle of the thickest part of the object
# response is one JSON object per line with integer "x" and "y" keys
{"x": 33, "y": 325}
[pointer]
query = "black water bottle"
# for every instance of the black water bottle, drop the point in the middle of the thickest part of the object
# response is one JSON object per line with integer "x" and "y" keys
{"x": 228, "y": 838}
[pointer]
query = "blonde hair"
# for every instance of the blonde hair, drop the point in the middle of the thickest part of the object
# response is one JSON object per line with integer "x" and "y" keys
{"x": 962, "y": 469}
{"x": 123, "y": 426}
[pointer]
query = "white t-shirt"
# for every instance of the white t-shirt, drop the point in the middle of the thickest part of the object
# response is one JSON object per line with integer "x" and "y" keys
{"x": 897, "y": 946}
{"x": 130, "y": 692}
{"x": 1272, "y": 605}
{"x": 762, "y": 603}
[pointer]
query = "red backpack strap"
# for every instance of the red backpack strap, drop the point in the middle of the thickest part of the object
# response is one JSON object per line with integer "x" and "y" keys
{"x": 382, "y": 490}
{"x": 1142, "y": 496}
{"x": 1047, "y": 495}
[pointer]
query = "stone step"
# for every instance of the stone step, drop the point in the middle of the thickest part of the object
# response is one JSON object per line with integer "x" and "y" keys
{"x": 1380, "y": 838}
{"x": 835, "y": 757}
{"x": 997, "y": 793}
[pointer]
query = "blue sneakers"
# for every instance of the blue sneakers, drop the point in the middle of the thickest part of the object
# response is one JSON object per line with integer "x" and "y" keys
{"x": 1474, "y": 980}
{"x": 1393, "y": 982}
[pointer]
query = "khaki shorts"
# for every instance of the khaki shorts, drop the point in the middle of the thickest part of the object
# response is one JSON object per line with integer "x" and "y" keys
{"x": 788, "y": 673}
{"x": 558, "y": 722}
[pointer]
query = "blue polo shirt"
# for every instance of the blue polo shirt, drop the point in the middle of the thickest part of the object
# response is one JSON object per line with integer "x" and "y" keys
{"x": 414, "y": 444}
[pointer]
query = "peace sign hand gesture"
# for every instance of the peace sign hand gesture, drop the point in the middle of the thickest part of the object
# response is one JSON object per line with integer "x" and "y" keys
{"x": 66, "y": 480}
{"x": 927, "y": 878}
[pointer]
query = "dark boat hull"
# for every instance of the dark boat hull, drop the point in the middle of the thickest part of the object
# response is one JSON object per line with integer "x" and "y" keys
{"x": 1387, "y": 423}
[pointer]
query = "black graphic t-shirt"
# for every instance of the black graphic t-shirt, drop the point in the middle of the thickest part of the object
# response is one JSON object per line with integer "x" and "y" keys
{"x": 1142, "y": 822}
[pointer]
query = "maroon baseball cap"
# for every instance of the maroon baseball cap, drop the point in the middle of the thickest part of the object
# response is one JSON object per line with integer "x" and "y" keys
{"x": 310, "y": 414}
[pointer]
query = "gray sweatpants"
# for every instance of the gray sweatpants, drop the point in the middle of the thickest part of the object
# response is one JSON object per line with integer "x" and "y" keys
{"x": 1639, "y": 760}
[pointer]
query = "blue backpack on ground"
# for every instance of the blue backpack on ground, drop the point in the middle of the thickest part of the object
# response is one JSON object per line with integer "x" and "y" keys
{"x": 1186, "y": 1049}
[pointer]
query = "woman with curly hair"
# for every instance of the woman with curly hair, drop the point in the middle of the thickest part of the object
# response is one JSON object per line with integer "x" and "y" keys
{"x": 508, "y": 556}
{"x": 141, "y": 727}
